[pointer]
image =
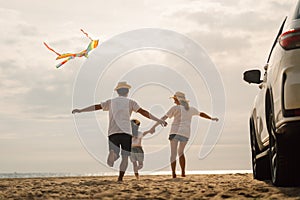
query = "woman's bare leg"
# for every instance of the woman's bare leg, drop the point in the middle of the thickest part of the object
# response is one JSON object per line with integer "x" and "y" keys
{"x": 173, "y": 144}
{"x": 181, "y": 157}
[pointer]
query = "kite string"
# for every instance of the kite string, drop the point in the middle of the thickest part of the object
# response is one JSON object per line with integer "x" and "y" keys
{"x": 86, "y": 34}
{"x": 52, "y": 49}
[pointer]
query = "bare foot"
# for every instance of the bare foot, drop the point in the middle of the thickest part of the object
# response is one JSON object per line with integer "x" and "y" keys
{"x": 173, "y": 175}
{"x": 120, "y": 179}
{"x": 137, "y": 176}
{"x": 183, "y": 173}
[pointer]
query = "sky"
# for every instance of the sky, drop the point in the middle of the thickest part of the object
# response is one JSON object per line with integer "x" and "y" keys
{"x": 38, "y": 133}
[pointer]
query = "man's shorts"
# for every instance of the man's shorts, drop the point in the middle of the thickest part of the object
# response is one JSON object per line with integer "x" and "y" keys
{"x": 118, "y": 140}
{"x": 177, "y": 137}
{"x": 137, "y": 154}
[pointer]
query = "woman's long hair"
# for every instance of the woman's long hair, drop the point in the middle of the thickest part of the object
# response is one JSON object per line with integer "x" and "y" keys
{"x": 185, "y": 104}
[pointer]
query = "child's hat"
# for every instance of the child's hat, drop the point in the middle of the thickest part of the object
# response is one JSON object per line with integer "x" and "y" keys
{"x": 137, "y": 122}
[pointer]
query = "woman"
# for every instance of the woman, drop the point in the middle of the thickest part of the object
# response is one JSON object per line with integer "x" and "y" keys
{"x": 180, "y": 129}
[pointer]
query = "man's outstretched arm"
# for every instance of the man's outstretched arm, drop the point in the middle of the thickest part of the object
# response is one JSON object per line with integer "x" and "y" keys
{"x": 88, "y": 109}
{"x": 147, "y": 114}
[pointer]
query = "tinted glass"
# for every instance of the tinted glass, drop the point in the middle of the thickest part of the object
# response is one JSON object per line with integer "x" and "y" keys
{"x": 297, "y": 11}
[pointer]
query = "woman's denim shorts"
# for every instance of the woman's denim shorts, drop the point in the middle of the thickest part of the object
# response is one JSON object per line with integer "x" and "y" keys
{"x": 180, "y": 138}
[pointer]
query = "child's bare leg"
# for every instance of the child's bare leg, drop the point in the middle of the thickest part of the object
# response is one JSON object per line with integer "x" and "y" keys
{"x": 135, "y": 169}
{"x": 140, "y": 166}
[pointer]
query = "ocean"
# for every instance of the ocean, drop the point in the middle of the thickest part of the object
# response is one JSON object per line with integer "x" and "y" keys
{"x": 50, "y": 174}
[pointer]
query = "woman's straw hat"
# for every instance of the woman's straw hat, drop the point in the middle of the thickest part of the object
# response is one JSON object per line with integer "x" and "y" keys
{"x": 123, "y": 84}
{"x": 180, "y": 96}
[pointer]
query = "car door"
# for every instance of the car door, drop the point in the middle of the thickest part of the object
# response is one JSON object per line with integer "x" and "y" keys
{"x": 260, "y": 117}
{"x": 261, "y": 121}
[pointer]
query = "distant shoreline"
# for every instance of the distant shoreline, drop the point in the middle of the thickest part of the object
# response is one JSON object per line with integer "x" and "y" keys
{"x": 66, "y": 174}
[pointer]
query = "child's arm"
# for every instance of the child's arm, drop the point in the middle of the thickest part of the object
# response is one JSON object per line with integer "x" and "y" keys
{"x": 145, "y": 133}
{"x": 88, "y": 109}
{"x": 206, "y": 116}
{"x": 152, "y": 130}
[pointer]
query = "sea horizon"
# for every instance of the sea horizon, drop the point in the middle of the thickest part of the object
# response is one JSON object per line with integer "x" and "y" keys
{"x": 67, "y": 174}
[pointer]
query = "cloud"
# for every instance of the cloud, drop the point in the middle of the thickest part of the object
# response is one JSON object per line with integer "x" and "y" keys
{"x": 218, "y": 42}
{"x": 30, "y": 84}
{"x": 229, "y": 31}
{"x": 216, "y": 16}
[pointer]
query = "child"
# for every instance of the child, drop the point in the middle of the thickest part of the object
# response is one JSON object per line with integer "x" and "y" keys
{"x": 137, "y": 153}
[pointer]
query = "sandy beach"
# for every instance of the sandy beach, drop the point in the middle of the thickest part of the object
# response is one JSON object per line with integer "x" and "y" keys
{"x": 224, "y": 186}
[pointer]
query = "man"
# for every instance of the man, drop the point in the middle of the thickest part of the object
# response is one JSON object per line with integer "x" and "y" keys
{"x": 119, "y": 131}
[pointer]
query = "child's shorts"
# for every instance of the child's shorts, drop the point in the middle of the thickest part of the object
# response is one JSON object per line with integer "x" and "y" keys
{"x": 137, "y": 154}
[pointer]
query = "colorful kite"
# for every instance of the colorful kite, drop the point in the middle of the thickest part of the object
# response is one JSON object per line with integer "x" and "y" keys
{"x": 92, "y": 45}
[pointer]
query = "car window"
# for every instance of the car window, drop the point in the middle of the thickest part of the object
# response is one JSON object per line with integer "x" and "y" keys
{"x": 278, "y": 34}
{"x": 297, "y": 12}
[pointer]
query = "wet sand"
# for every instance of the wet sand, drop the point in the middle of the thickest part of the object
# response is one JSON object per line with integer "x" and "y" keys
{"x": 221, "y": 186}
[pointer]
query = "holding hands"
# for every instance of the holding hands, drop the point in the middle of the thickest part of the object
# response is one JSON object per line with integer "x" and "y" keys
{"x": 214, "y": 119}
{"x": 76, "y": 111}
{"x": 162, "y": 122}
{"x": 151, "y": 131}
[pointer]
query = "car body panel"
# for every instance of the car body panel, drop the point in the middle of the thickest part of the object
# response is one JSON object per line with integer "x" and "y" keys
{"x": 275, "y": 115}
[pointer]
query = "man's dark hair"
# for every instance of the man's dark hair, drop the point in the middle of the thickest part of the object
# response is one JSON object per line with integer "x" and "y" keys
{"x": 123, "y": 91}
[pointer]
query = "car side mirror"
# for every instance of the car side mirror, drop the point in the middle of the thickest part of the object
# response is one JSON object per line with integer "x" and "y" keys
{"x": 252, "y": 76}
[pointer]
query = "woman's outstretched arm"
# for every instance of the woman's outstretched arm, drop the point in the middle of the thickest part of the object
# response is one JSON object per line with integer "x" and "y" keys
{"x": 206, "y": 116}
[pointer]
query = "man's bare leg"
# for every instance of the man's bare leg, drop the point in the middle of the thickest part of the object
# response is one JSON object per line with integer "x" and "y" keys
{"x": 123, "y": 167}
{"x": 112, "y": 157}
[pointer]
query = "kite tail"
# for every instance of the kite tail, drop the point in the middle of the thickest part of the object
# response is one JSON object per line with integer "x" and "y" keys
{"x": 51, "y": 49}
{"x": 63, "y": 62}
{"x": 87, "y": 35}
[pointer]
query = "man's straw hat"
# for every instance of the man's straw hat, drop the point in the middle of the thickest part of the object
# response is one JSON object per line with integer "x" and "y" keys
{"x": 122, "y": 84}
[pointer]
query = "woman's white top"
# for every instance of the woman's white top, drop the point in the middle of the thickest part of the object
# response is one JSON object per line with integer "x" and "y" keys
{"x": 182, "y": 120}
